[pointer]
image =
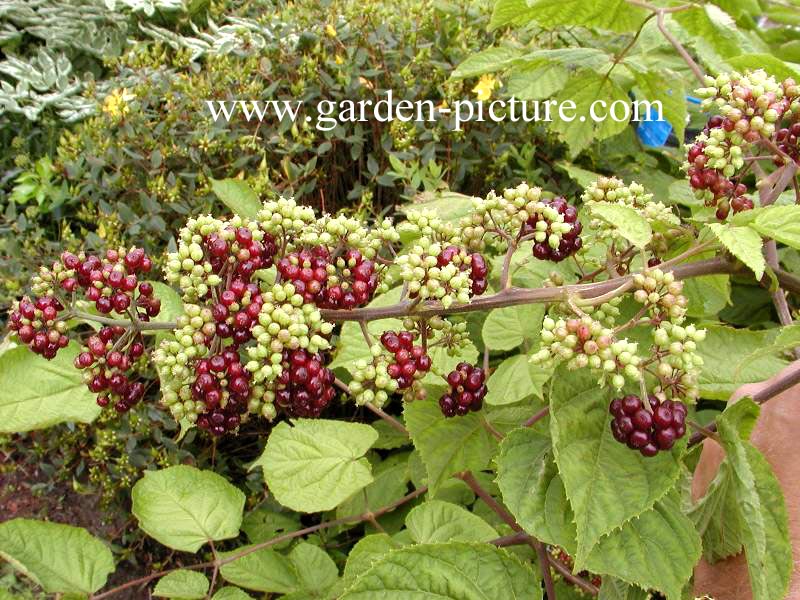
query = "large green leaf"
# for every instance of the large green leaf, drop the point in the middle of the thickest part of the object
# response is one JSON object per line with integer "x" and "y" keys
{"x": 368, "y": 550}
{"x": 628, "y": 223}
{"x": 390, "y": 479}
{"x": 615, "y": 15}
{"x": 437, "y": 521}
{"x": 230, "y": 593}
{"x": 37, "y": 393}
{"x": 238, "y": 196}
{"x": 511, "y": 12}
{"x": 514, "y": 380}
{"x": 506, "y": 328}
{"x": 744, "y": 243}
{"x": 761, "y": 506}
{"x": 316, "y": 464}
{"x": 457, "y": 571}
{"x": 182, "y": 583}
{"x": 666, "y": 87}
{"x": 656, "y": 550}
{"x": 532, "y": 488}
{"x": 716, "y": 517}
{"x": 486, "y": 61}
{"x": 264, "y": 570}
{"x": 614, "y": 589}
{"x": 447, "y": 446}
{"x": 781, "y": 223}
{"x": 59, "y": 558}
{"x": 595, "y": 468}
{"x": 770, "y": 63}
{"x": 537, "y": 82}
{"x": 183, "y": 507}
{"x": 315, "y": 570}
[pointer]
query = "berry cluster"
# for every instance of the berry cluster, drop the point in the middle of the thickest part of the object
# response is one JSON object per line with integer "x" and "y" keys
{"x": 467, "y": 390}
{"x": 586, "y": 342}
{"x": 352, "y": 282}
{"x": 108, "y": 365}
{"x": 647, "y": 431}
{"x": 788, "y": 141}
{"x": 37, "y": 325}
{"x": 661, "y": 294}
{"x": 305, "y": 387}
{"x": 478, "y": 269}
{"x": 410, "y": 362}
{"x": 633, "y": 195}
{"x": 676, "y": 359}
{"x": 236, "y": 312}
{"x": 555, "y": 230}
{"x": 111, "y": 282}
{"x": 223, "y": 388}
{"x": 307, "y": 271}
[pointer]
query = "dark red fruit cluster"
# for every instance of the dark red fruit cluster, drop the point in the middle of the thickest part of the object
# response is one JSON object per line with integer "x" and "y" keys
{"x": 409, "y": 359}
{"x": 788, "y": 140}
{"x": 305, "y": 386}
{"x": 111, "y": 283}
{"x": 37, "y": 325}
{"x": 571, "y": 241}
{"x": 236, "y": 311}
{"x": 357, "y": 282}
{"x": 246, "y": 255}
{"x": 307, "y": 270}
{"x": 478, "y": 269}
{"x": 467, "y": 390}
{"x": 106, "y": 364}
{"x": 647, "y": 431}
{"x": 223, "y": 386}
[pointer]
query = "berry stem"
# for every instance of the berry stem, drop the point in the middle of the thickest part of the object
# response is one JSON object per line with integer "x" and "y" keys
{"x": 505, "y": 274}
{"x": 491, "y": 429}
{"x": 537, "y": 416}
{"x": 378, "y": 411}
{"x": 127, "y": 323}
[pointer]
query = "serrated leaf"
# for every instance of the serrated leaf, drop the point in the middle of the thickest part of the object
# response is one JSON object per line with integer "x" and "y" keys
{"x": 238, "y": 196}
{"x": 183, "y": 507}
{"x": 263, "y": 570}
{"x": 614, "y": 15}
{"x": 595, "y": 467}
{"x": 436, "y": 521}
{"x": 456, "y": 571}
{"x": 389, "y": 484}
{"x": 537, "y": 82}
{"x": 514, "y": 380}
{"x": 770, "y": 63}
{"x": 585, "y": 89}
{"x": 628, "y": 223}
{"x": 315, "y": 569}
{"x": 447, "y": 446}
{"x": 713, "y": 32}
{"x": 486, "y": 61}
{"x": 614, "y": 589}
{"x": 317, "y": 464}
{"x": 231, "y": 593}
{"x": 656, "y": 550}
{"x": 36, "y": 393}
{"x": 368, "y": 550}
{"x": 60, "y": 558}
{"x": 182, "y": 584}
{"x": 510, "y": 12}
{"x": 780, "y": 223}
{"x": 506, "y": 328}
{"x": 532, "y": 488}
{"x": 716, "y": 517}
{"x": 762, "y": 510}
{"x": 744, "y": 243}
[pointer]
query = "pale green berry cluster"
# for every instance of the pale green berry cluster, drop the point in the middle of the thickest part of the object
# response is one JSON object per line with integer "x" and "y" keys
{"x": 724, "y": 150}
{"x": 677, "y": 360}
{"x": 285, "y": 219}
{"x": 420, "y": 271}
{"x": 633, "y": 195}
{"x": 371, "y": 382}
{"x": 661, "y": 294}
{"x": 190, "y": 267}
{"x": 348, "y": 232}
{"x": 427, "y": 227}
{"x": 286, "y": 322}
{"x": 449, "y": 333}
{"x": 585, "y": 342}
{"x": 506, "y": 212}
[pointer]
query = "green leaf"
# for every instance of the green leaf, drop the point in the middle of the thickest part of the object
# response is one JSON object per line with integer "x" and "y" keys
{"x": 761, "y": 506}
{"x": 316, "y": 464}
{"x": 537, "y": 82}
{"x": 315, "y": 569}
{"x": 59, "y": 558}
{"x": 183, "y": 507}
{"x": 614, "y": 589}
{"x": 458, "y": 571}
{"x": 231, "y": 593}
{"x": 665, "y": 86}
{"x": 780, "y": 223}
{"x": 584, "y": 90}
{"x": 770, "y": 63}
{"x": 36, "y": 393}
{"x": 511, "y": 12}
{"x": 437, "y": 521}
{"x": 595, "y": 467}
{"x": 238, "y": 196}
{"x": 514, "y": 380}
{"x": 744, "y": 243}
{"x": 716, "y": 517}
{"x": 532, "y": 488}
{"x": 263, "y": 570}
{"x": 615, "y": 15}
{"x": 171, "y": 305}
{"x": 713, "y": 32}
{"x": 368, "y": 550}
{"x": 265, "y": 522}
{"x": 579, "y": 175}
{"x": 182, "y": 584}
{"x": 720, "y": 376}
{"x": 506, "y": 328}
{"x": 389, "y": 484}
{"x": 449, "y": 206}
{"x": 656, "y": 550}
{"x": 487, "y": 61}
{"x": 628, "y": 223}
{"x": 447, "y": 446}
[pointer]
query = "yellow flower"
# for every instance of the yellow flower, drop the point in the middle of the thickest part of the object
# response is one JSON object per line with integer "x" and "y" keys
{"x": 339, "y": 59}
{"x": 115, "y": 104}
{"x": 483, "y": 89}
{"x": 330, "y": 30}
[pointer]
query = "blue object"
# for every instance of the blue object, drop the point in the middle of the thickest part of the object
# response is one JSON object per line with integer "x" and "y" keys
{"x": 653, "y": 132}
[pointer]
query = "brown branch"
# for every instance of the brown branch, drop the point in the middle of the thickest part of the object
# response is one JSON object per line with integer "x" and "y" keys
{"x": 537, "y": 416}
